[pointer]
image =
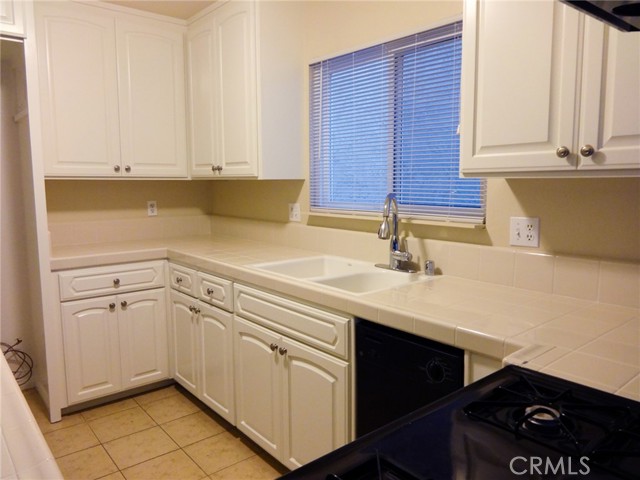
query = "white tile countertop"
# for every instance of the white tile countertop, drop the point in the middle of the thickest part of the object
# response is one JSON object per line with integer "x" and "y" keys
{"x": 25, "y": 453}
{"x": 592, "y": 343}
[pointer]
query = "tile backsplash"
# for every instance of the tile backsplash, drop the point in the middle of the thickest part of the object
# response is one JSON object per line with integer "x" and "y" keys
{"x": 600, "y": 280}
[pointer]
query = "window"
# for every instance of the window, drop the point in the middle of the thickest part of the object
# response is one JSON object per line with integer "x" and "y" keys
{"x": 384, "y": 119}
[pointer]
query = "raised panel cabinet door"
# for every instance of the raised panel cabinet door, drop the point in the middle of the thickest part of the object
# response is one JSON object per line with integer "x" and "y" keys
{"x": 316, "y": 404}
{"x": 235, "y": 87}
{"x": 216, "y": 355}
{"x": 91, "y": 348}
{"x": 12, "y": 17}
{"x": 144, "y": 349}
{"x": 258, "y": 383}
{"x": 184, "y": 330}
{"x": 610, "y": 103}
{"x": 202, "y": 126}
{"x": 79, "y": 90}
{"x": 518, "y": 90}
{"x": 152, "y": 98}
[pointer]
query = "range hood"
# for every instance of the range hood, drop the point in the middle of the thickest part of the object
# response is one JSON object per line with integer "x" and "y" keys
{"x": 622, "y": 15}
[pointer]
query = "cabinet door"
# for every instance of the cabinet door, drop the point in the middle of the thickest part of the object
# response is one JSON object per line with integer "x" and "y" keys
{"x": 91, "y": 351}
{"x": 202, "y": 126}
{"x": 315, "y": 404}
{"x": 235, "y": 89}
{"x": 79, "y": 91}
{"x": 185, "y": 343}
{"x": 12, "y": 17}
{"x": 610, "y": 103}
{"x": 143, "y": 337}
{"x": 258, "y": 382}
{"x": 216, "y": 361}
{"x": 152, "y": 98}
{"x": 518, "y": 91}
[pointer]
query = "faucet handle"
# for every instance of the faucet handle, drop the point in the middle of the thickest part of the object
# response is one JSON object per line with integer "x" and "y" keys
{"x": 402, "y": 256}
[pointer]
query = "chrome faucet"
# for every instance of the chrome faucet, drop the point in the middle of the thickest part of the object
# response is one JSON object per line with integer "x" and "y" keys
{"x": 386, "y": 232}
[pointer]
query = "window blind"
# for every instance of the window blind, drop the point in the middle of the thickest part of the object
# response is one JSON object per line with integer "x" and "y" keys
{"x": 384, "y": 119}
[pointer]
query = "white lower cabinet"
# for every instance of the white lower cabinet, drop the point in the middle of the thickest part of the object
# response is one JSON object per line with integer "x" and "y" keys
{"x": 202, "y": 345}
{"x": 291, "y": 399}
{"x": 113, "y": 343}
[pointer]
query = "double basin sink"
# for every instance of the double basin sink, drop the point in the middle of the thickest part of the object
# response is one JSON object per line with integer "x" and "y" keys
{"x": 341, "y": 273}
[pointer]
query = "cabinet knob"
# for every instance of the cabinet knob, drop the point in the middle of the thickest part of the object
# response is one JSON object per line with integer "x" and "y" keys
{"x": 127, "y": 168}
{"x": 116, "y": 168}
{"x": 562, "y": 152}
{"x": 116, "y": 282}
{"x": 209, "y": 291}
{"x": 178, "y": 280}
{"x": 282, "y": 351}
{"x": 123, "y": 304}
{"x": 191, "y": 308}
{"x": 112, "y": 306}
{"x": 587, "y": 150}
{"x": 273, "y": 347}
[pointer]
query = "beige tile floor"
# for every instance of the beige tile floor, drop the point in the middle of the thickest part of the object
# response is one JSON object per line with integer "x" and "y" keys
{"x": 163, "y": 434}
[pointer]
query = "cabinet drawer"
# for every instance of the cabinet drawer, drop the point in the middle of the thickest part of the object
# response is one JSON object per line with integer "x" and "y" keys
{"x": 183, "y": 279}
{"x": 93, "y": 282}
{"x": 215, "y": 290}
{"x": 323, "y": 330}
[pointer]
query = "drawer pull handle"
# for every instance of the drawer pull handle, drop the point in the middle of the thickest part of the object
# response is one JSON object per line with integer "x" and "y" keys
{"x": 112, "y": 306}
{"x": 178, "y": 280}
{"x": 209, "y": 291}
{"x": 123, "y": 304}
{"x": 273, "y": 347}
{"x": 116, "y": 282}
{"x": 282, "y": 351}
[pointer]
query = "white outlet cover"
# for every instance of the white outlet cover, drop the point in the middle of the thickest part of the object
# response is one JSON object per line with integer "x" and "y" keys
{"x": 524, "y": 232}
{"x": 294, "y": 212}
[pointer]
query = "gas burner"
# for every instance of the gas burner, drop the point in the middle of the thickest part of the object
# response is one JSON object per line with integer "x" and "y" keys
{"x": 538, "y": 417}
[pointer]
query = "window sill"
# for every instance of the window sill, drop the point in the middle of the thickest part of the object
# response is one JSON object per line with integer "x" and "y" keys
{"x": 321, "y": 218}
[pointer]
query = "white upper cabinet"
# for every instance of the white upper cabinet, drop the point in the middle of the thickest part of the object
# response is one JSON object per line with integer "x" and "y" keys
{"x": 79, "y": 90}
{"x": 112, "y": 93}
{"x": 541, "y": 83}
{"x": 246, "y": 86}
{"x": 12, "y": 17}
{"x": 152, "y": 98}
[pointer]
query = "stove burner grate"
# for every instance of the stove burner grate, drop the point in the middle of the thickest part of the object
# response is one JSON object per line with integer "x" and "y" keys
{"x": 565, "y": 420}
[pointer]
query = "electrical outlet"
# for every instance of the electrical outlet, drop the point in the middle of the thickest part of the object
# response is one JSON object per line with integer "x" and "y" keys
{"x": 524, "y": 231}
{"x": 294, "y": 212}
{"x": 152, "y": 208}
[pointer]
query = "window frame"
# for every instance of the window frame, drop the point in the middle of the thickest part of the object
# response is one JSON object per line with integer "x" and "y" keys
{"x": 321, "y": 182}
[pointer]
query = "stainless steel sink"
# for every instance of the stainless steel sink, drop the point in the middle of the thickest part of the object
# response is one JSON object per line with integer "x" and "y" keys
{"x": 341, "y": 273}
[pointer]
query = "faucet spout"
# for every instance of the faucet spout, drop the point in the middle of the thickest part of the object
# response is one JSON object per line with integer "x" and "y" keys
{"x": 389, "y": 231}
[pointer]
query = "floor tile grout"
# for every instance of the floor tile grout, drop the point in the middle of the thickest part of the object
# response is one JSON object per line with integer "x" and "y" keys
{"x": 197, "y": 407}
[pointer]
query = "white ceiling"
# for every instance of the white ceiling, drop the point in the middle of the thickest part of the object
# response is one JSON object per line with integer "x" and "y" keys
{"x": 174, "y": 8}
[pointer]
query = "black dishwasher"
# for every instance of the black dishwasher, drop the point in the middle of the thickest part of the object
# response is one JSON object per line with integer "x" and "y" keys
{"x": 397, "y": 373}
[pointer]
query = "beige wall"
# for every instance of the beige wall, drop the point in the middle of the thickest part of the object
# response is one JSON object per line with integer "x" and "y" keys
{"x": 587, "y": 217}
{"x": 83, "y": 200}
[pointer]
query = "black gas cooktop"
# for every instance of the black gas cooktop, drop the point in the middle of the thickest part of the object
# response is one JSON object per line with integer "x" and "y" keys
{"x": 515, "y": 423}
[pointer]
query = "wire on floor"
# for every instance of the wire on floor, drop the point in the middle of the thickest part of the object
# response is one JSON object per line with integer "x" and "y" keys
{"x": 20, "y": 362}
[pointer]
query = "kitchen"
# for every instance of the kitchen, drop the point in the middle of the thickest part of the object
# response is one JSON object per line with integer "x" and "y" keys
{"x": 590, "y": 227}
